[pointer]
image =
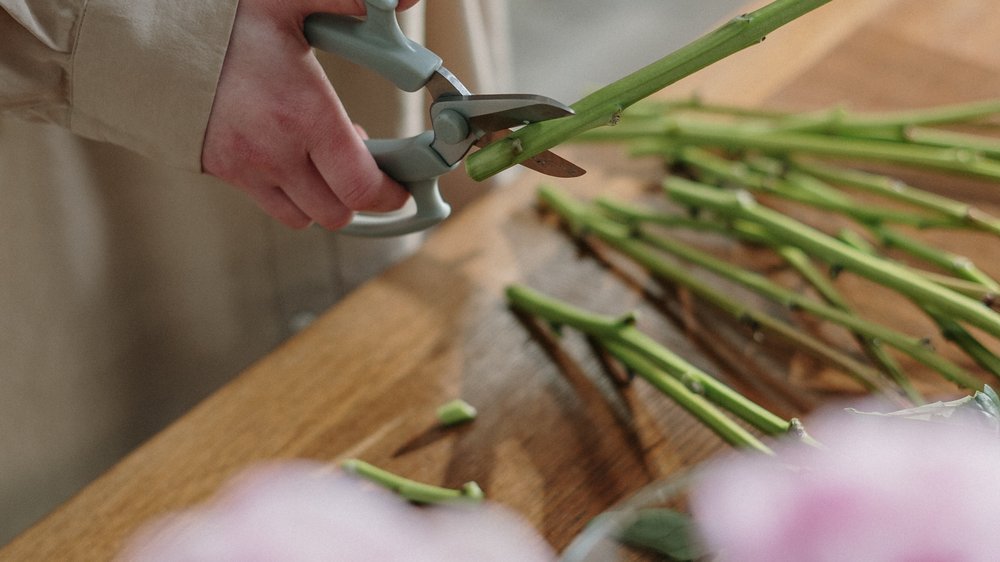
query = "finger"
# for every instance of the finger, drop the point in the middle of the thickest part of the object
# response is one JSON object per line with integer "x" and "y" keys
{"x": 273, "y": 201}
{"x": 310, "y": 192}
{"x": 349, "y": 169}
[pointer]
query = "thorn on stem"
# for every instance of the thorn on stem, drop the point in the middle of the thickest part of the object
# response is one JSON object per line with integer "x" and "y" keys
{"x": 693, "y": 384}
{"x": 990, "y": 299}
{"x": 616, "y": 117}
{"x": 627, "y": 319}
{"x": 750, "y": 321}
{"x": 796, "y": 428}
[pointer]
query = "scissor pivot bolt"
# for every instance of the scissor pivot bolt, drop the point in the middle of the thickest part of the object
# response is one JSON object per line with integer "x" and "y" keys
{"x": 451, "y": 127}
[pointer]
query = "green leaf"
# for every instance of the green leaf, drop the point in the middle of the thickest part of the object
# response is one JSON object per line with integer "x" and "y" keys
{"x": 980, "y": 410}
{"x": 664, "y": 531}
{"x": 989, "y": 405}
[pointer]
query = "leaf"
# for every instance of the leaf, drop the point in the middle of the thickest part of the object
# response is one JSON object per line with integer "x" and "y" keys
{"x": 980, "y": 410}
{"x": 988, "y": 401}
{"x": 664, "y": 531}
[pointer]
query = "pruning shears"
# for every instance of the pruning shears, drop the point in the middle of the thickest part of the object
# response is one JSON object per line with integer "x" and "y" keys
{"x": 459, "y": 119}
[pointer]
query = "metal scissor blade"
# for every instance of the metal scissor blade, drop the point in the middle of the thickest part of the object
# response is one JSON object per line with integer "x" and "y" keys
{"x": 552, "y": 164}
{"x": 495, "y": 112}
{"x": 547, "y": 162}
{"x": 491, "y": 116}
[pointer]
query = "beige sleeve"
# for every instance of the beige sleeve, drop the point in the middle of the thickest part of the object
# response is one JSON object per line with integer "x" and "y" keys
{"x": 137, "y": 73}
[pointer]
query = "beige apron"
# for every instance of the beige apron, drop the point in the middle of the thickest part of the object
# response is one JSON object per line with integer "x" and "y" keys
{"x": 130, "y": 289}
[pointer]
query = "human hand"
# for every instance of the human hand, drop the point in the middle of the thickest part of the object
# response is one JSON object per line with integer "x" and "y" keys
{"x": 277, "y": 130}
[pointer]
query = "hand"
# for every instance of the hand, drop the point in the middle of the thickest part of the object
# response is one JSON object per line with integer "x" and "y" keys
{"x": 277, "y": 130}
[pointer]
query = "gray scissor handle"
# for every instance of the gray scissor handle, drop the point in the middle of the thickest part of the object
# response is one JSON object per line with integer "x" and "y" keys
{"x": 378, "y": 43}
{"x": 416, "y": 165}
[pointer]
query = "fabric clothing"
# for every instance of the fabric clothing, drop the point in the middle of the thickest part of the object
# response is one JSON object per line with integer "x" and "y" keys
{"x": 133, "y": 285}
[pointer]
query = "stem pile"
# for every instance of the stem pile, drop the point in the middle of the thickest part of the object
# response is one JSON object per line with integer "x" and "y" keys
{"x": 736, "y": 167}
{"x": 696, "y": 391}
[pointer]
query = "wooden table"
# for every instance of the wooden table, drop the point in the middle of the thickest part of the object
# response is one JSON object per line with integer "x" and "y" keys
{"x": 555, "y": 440}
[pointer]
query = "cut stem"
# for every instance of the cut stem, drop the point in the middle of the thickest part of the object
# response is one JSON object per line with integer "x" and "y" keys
{"x": 799, "y": 187}
{"x": 895, "y": 189}
{"x": 833, "y": 251}
{"x": 694, "y": 403}
{"x": 605, "y": 105}
{"x": 795, "y": 143}
{"x": 873, "y": 347}
{"x": 611, "y": 331}
{"x": 412, "y": 490}
{"x": 621, "y": 238}
{"x": 960, "y": 266}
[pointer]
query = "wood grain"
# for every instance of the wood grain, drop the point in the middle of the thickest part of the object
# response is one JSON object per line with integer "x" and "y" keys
{"x": 556, "y": 439}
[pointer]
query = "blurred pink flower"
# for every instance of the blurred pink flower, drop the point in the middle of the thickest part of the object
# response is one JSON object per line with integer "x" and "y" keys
{"x": 302, "y": 511}
{"x": 880, "y": 489}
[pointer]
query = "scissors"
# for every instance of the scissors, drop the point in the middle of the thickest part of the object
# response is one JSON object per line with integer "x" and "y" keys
{"x": 459, "y": 119}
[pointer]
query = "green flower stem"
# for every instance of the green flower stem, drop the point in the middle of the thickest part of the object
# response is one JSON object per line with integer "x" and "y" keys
{"x": 412, "y": 490}
{"x": 955, "y": 333}
{"x": 855, "y": 240}
{"x": 939, "y": 115}
{"x": 959, "y": 266}
{"x": 795, "y": 143}
{"x": 797, "y": 187}
{"x": 632, "y": 215}
{"x": 833, "y": 251}
{"x": 606, "y": 104}
{"x": 870, "y": 343}
{"x": 694, "y": 403}
{"x": 961, "y": 286}
{"x": 873, "y": 347}
{"x": 987, "y": 146}
{"x": 898, "y": 190}
{"x": 621, "y": 239}
{"x": 659, "y": 108}
{"x": 840, "y": 121}
{"x": 825, "y": 196}
{"x": 911, "y": 346}
{"x": 798, "y": 259}
{"x": 968, "y": 288}
{"x": 611, "y": 331}
{"x": 838, "y": 118}
{"x": 951, "y": 330}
